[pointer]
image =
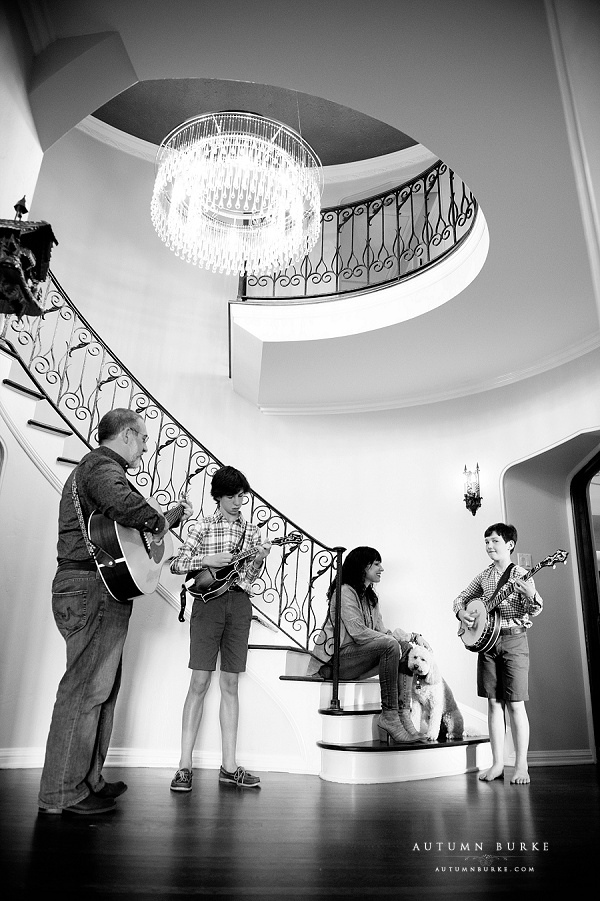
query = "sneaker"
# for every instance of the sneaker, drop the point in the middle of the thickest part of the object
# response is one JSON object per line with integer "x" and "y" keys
{"x": 182, "y": 781}
{"x": 241, "y": 777}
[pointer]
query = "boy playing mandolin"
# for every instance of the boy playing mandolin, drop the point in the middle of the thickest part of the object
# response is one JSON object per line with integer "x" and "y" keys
{"x": 502, "y": 670}
{"x": 220, "y": 625}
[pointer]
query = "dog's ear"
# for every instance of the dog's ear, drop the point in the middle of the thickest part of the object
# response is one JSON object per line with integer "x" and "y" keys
{"x": 434, "y": 674}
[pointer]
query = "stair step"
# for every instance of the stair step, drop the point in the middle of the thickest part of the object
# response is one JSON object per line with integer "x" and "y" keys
{"x": 30, "y": 392}
{"x": 56, "y": 430}
{"x": 314, "y": 678}
{"x": 376, "y": 762}
{"x": 382, "y": 746}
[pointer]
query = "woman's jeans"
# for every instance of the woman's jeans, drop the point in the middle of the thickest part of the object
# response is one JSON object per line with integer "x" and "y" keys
{"x": 378, "y": 655}
{"x": 94, "y": 627}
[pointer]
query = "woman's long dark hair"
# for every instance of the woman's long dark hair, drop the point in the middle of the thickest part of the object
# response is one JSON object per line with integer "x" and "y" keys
{"x": 353, "y": 573}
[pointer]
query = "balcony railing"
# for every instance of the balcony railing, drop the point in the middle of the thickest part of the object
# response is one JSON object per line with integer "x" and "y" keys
{"x": 378, "y": 241}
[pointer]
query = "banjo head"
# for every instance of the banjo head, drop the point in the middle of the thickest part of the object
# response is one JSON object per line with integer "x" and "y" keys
{"x": 485, "y": 628}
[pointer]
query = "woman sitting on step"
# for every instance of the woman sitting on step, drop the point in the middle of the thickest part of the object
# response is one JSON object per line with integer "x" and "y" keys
{"x": 367, "y": 648}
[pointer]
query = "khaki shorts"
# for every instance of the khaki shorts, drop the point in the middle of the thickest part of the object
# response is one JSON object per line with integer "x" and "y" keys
{"x": 222, "y": 625}
{"x": 503, "y": 671}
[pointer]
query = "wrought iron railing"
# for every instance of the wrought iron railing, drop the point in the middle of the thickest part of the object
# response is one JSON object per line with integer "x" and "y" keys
{"x": 376, "y": 242}
{"x": 83, "y": 380}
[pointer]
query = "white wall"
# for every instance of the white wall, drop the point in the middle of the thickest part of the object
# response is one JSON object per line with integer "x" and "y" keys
{"x": 20, "y": 151}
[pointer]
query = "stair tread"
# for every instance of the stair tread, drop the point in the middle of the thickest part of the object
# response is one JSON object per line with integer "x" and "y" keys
{"x": 36, "y": 424}
{"x": 25, "y": 389}
{"x": 317, "y": 678}
{"x": 370, "y": 746}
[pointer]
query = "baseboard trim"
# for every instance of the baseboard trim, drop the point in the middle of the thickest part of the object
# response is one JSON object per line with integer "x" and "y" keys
{"x": 33, "y": 758}
{"x": 575, "y": 757}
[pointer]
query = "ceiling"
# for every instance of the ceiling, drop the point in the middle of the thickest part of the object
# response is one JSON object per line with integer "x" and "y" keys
{"x": 506, "y": 94}
{"x": 149, "y": 110}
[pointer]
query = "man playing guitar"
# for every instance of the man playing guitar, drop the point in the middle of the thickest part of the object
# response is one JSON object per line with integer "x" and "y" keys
{"x": 91, "y": 620}
{"x": 502, "y": 670}
{"x": 222, "y": 624}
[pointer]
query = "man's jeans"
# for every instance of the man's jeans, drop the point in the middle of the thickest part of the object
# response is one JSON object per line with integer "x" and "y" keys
{"x": 94, "y": 627}
{"x": 369, "y": 658}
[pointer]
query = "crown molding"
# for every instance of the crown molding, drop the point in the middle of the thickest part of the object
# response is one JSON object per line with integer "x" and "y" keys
{"x": 119, "y": 140}
{"x": 387, "y": 165}
{"x": 551, "y": 362}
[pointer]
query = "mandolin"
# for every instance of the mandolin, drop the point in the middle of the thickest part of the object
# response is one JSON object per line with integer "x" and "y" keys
{"x": 211, "y": 582}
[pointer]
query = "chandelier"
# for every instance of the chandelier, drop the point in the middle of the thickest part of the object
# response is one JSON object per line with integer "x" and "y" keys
{"x": 237, "y": 192}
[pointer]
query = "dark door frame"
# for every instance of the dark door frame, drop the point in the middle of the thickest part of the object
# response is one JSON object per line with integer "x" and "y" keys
{"x": 588, "y": 582}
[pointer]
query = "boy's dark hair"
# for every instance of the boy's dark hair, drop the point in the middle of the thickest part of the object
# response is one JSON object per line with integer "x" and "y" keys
{"x": 115, "y": 421}
{"x": 228, "y": 481}
{"x": 353, "y": 572}
{"x": 504, "y": 530}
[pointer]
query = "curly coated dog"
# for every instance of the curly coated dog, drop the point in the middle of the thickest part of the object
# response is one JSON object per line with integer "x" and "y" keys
{"x": 435, "y": 713}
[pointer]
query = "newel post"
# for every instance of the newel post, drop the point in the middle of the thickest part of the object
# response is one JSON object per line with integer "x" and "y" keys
{"x": 337, "y": 620}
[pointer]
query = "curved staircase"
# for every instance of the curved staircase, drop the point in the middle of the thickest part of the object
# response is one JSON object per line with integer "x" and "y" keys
{"x": 350, "y": 749}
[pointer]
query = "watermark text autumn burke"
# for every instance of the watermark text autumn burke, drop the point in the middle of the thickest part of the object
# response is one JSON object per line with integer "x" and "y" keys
{"x": 482, "y": 857}
{"x": 478, "y": 847}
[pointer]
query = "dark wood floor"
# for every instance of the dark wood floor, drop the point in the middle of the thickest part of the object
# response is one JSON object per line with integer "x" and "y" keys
{"x": 299, "y": 837}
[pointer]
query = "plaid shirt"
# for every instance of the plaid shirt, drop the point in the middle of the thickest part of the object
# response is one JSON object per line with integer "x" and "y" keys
{"x": 216, "y": 535}
{"x": 515, "y": 610}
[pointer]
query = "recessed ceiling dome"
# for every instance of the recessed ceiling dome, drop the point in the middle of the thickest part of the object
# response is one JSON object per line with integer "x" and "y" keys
{"x": 151, "y": 109}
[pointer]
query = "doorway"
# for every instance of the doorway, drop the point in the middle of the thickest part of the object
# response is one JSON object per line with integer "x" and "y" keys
{"x": 547, "y": 497}
{"x": 585, "y": 500}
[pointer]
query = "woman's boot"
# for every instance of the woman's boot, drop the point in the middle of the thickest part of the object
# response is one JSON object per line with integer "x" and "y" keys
{"x": 405, "y": 704}
{"x": 391, "y": 729}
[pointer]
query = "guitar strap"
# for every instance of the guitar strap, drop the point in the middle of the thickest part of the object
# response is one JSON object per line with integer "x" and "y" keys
{"x": 93, "y": 551}
{"x": 489, "y": 605}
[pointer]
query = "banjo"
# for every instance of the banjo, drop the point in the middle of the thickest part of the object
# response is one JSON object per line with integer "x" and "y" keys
{"x": 484, "y": 632}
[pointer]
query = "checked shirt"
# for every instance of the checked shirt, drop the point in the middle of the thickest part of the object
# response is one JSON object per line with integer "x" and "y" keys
{"x": 215, "y": 535}
{"x": 515, "y": 610}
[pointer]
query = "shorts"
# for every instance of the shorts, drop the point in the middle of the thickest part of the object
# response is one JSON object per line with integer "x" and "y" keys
{"x": 221, "y": 625}
{"x": 503, "y": 671}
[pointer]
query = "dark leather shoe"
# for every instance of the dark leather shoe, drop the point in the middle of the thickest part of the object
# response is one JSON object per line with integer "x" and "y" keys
{"x": 92, "y": 804}
{"x": 111, "y": 790}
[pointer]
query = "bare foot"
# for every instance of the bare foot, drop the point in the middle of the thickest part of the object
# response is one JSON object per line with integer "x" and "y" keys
{"x": 495, "y": 772}
{"x": 520, "y": 777}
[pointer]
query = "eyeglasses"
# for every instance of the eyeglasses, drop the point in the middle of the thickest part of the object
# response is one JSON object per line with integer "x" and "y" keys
{"x": 137, "y": 432}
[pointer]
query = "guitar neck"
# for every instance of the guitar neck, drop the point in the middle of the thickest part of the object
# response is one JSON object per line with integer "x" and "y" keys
{"x": 173, "y": 514}
{"x": 242, "y": 555}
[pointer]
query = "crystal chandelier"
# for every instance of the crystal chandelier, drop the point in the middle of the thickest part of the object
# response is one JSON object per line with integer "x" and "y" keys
{"x": 237, "y": 192}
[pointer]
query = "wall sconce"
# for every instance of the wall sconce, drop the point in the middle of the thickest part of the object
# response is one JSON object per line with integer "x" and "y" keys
{"x": 472, "y": 493}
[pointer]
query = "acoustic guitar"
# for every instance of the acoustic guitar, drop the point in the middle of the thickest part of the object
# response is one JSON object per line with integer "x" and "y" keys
{"x": 130, "y": 561}
{"x": 484, "y": 632}
{"x": 210, "y": 582}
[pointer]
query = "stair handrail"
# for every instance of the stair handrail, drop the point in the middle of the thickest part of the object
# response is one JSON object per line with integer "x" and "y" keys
{"x": 58, "y": 350}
